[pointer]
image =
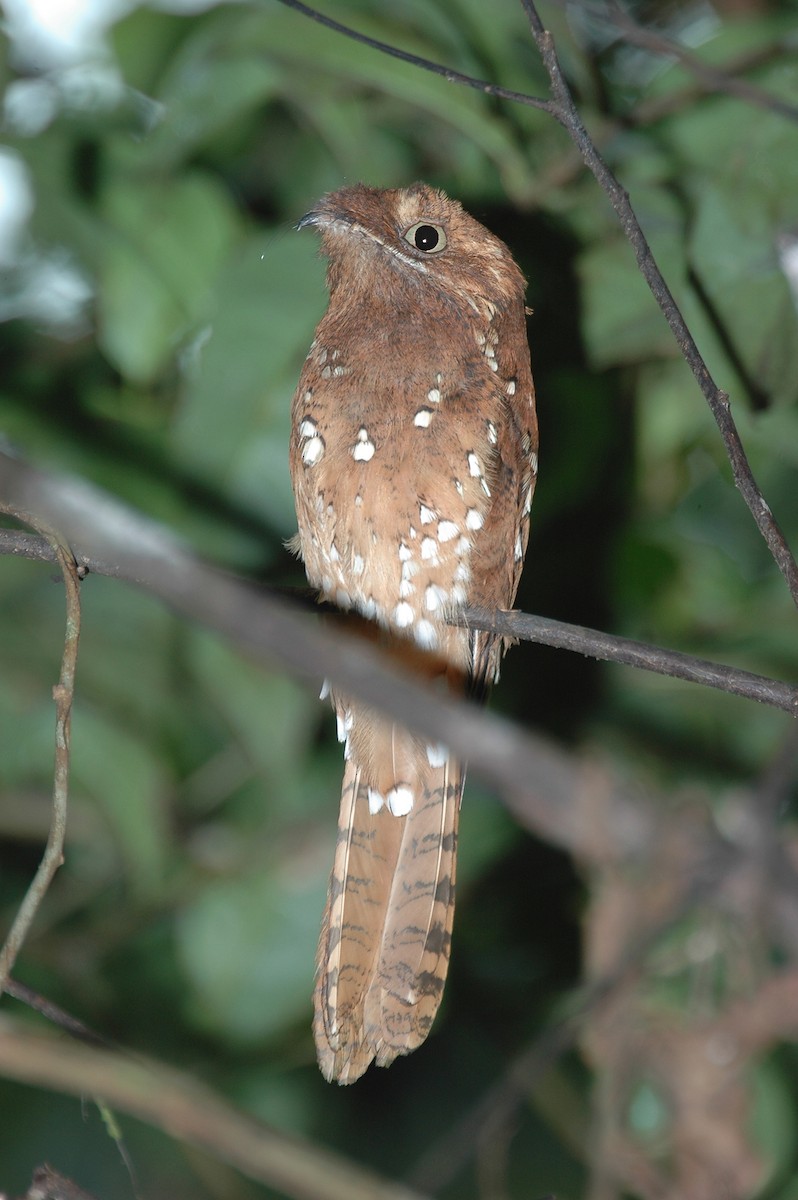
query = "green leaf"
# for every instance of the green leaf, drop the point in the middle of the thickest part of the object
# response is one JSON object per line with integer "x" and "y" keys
{"x": 168, "y": 241}
{"x": 734, "y": 248}
{"x": 247, "y": 947}
{"x": 234, "y": 420}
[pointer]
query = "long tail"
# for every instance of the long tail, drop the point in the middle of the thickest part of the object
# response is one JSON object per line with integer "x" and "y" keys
{"x": 386, "y": 934}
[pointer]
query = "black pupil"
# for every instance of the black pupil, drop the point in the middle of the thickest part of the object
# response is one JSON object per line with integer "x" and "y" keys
{"x": 426, "y": 237}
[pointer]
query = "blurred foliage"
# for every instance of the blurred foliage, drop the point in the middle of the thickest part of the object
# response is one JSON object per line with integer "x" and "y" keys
{"x": 157, "y": 309}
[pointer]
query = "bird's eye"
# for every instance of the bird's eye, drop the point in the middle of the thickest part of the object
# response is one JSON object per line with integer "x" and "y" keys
{"x": 429, "y": 238}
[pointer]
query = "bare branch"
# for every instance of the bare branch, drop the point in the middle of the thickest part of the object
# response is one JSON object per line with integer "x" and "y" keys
{"x": 643, "y": 655}
{"x": 272, "y": 632}
{"x": 709, "y": 77}
{"x": 566, "y": 113}
{"x": 187, "y": 1109}
{"x": 524, "y": 627}
{"x": 425, "y": 64}
{"x": 63, "y": 694}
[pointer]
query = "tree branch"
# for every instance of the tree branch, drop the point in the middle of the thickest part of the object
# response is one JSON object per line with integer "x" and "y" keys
{"x": 187, "y": 1109}
{"x": 524, "y": 627}
{"x": 424, "y": 64}
{"x": 564, "y": 110}
{"x": 273, "y": 632}
{"x": 709, "y": 77}
{"x": 63, "y": 694}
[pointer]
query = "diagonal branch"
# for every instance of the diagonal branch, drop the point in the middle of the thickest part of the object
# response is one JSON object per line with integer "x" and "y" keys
{"x": 564, "y": 110}
{"x": 63, "y": 693}
{"x": 425, "y": 64}
{"x": 189, "y": 1110}
{"x": 709, "y": 77}
{"x": 271, "y": 631}
{"x": 524, "y": 627}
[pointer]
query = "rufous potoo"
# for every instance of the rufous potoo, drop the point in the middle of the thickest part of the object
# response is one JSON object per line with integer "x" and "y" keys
{"x": 413, "y": 460}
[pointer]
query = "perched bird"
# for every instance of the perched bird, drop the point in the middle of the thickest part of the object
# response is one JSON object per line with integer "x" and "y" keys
{"x": 413, "y": 460}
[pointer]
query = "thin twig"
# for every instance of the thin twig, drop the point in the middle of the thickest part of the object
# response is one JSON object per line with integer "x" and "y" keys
{"x": 565, "y": 112}
{"x": 710, "y": 78}
{"x": 643, "y": 655}
{"x": 523, "y": 627}
{"x": 425, "y": 64}
{"x": 63, "y": 693}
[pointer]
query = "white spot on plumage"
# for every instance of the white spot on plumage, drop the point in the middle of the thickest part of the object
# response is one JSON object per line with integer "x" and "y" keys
{"x": 474, "y": 519}
{"x": 474, "y": 465}
{"x": 462, "y": 573}
{"x": 423, "y": 418}
{"x": 412, "y": 531}
{"x": 406, "y": 588}
{"x": 519, "y": 549}
{"x": 358, "y": 500}
{"x": 308, "y": 395}
{"x": 463, "y": 547}
{"x": 426, "y": 634}
{"x": 343, "y": 724}
{"x": 485, "y": 487}
{"x": 307, "y": 427}
{"x": 400, "y": 800}
{"x": 459, "y": 594}
{"x": 340, "y": 370}
{"x": 427, "y": 514}
{"x": 510, "y": 389}
{"x": 326, "y": 584}
{"x": 405, "y": 552}
{"x": 322, "y": 356}
{"x": 434, "y": 395}
{"x": 494, "y": 366}
{"x": 376, "y": 800}
{"x": 312, "y": 451}
{"x": 429, "y": 549}
{"x": 437, "y": 755}
{"x": 533, "y": 462}
{"x": 447, "y": 530}
{"x": 493, "y": 435}
{"x": 342, "y": 598}
{"x": 458, "y": 487}
{"x": 326, "y": 372}
{"x": 434, "y": 597}
{"x": 363, "y": 449}
{"x": 334, "y": 555}
{"x": 358, "y": 565}
{"x": 403, "y": 615}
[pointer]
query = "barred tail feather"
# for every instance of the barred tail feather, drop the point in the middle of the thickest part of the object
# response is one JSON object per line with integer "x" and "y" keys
{"x": 384, "y": 947}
